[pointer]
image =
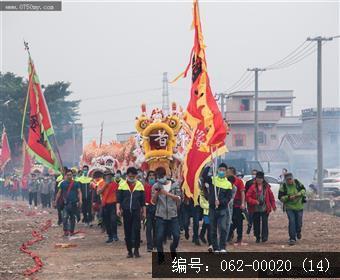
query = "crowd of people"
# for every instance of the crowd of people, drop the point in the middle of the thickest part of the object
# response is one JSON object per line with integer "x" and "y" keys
{"x": 156, "y": 202}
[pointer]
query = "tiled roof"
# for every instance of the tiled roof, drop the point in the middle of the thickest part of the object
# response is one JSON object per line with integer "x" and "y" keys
{"x": 301, "y": 141}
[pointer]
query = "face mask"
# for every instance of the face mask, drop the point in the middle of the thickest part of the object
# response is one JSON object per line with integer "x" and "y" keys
{"x": 117, "y": 177}
{"x": 131, "y": 180}
{"x": 151, "y": 181}
{"x": 220, "y": 174}
{"x": 162, "y": 180}
{"x": 85, "y": 172}
{"x": 107, "y": 180}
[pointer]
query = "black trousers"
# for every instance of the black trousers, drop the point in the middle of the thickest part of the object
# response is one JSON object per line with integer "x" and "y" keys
{"x": 44, "y": 199}
{"x": 132, "y": 226}
{"x": 33, "y": 196}
{"x": 110, "y": 219}
{"x": 87, "y": 210}
{"x": 260, "y": 220}
{"x": 150, "y": 226}
{"x": 237, "y": 223}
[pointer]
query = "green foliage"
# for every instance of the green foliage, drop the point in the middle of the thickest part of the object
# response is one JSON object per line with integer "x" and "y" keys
{"x": 13, "y": 91}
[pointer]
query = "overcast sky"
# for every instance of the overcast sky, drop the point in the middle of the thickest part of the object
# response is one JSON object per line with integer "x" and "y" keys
{"x": 114, "y": 53}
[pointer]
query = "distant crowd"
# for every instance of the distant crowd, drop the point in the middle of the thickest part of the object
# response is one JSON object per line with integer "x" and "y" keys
{"x": 155, "y": 202}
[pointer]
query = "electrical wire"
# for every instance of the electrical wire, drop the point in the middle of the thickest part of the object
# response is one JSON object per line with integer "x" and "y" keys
{"x": 121, "y": 94}
{"x": 296, "y": 51}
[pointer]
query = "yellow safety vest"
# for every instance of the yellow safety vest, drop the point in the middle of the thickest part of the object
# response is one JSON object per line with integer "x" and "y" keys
{"x": 123, "y": 186}
{"x": 222, "y": 183}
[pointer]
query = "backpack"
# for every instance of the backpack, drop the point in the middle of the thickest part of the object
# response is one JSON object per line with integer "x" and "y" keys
{"x": 299, "y": 187}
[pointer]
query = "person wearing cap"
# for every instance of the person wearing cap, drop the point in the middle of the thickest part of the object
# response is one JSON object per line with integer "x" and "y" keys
{"x": 292, "y": 194}
{"x": 261, "y": 202}
{"x": 219, "y": 212}
{"x": 130, "y": 204}
{"x": 109, "y": 199}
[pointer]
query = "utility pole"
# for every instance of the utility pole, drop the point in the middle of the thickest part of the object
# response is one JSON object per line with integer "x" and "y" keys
{"x": 101, "y": 134}
{"x": 319, "y": 41}
{"x": 221, "y": 97}
{"x": 165, "y": 95}
{"x": 256, "y": 109}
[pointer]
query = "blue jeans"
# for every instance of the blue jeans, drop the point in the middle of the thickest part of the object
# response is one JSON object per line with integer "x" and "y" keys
{"x": 218, "y": 222}
{"x": 295, "y": 222}
{"x": 161, "y": 226}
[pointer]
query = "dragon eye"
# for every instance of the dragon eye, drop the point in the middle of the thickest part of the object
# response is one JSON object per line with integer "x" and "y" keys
{"x": 172, "y": 123}
{"x": 143, "y": 124}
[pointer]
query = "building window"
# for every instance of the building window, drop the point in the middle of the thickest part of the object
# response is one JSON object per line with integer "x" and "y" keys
{"x": 261, "y": 138}
{"x": 245, "y": 105}
{"x": 239, "y": 140}
{"x": 273, "y": 136}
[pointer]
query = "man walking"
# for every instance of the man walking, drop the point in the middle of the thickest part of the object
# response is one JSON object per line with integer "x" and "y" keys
{"x": 109, "y": 199}
{"x": 150, "y": 211}
{"x": 33, "y": 187}
{"x": 131, "y": 200}
{"x": 238, "y": 207}
{"x": 292, "y": 195}
{"x": 219, "y": 213}
{"x": 166, "y": 196}
{"x": 71, "y": 195}
{"x": 86, "y": 191}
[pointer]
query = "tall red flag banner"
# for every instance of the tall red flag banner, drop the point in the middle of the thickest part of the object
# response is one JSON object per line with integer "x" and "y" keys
{"x": 40, "y": 126}
{"x": 203, "y": 116}
{"x": 5, "y": 155}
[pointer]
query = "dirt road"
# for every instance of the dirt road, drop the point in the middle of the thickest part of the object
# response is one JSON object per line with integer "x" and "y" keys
{"x": 92, "y": 258}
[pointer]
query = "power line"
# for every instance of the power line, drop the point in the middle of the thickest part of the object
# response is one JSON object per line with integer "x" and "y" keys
{"x": 118, "y": 108}
{"x": 292, "y": 54}
{"x": 239, "y": 81}
{"x": 296, "y": 59}
{"x": 121, "y": 94}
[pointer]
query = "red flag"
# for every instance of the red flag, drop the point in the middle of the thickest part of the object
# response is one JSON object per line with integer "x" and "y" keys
{"x": 27, "y": 165}
{"x": 5, "y": 155}
{"x": 40, "y": 127}
{"x": 203, "y": 116}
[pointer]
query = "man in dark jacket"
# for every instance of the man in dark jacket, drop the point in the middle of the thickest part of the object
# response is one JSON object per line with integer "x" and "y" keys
{"x": 86, "y": 190}
{"x": 220, "y": 193}
{"x": 131, "y": 201}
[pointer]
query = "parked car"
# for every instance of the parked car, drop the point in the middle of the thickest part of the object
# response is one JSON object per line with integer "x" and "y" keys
{"x": 272, "y": 181}
{"x": 331, "y": 186}
{"x": 327, "y": 173}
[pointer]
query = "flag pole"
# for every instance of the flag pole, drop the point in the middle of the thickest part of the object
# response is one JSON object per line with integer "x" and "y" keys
{"x": 55, "y": 144}
{"x": 26, "y": 99}
{"x": 214, "y": 172}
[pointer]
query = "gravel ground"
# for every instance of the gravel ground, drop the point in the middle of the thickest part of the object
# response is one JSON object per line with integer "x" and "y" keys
{"x": 92, "y": 258}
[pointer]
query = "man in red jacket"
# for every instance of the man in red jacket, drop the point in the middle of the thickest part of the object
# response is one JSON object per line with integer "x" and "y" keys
{"x": 261, "y": 202}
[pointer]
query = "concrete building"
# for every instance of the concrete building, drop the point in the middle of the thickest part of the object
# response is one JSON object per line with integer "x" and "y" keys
{"x": 300, "y": 148}
{"x": 275, "y": 119}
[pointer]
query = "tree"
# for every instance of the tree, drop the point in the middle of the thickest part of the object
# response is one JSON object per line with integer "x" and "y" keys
{"x": 13, "y": 91}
